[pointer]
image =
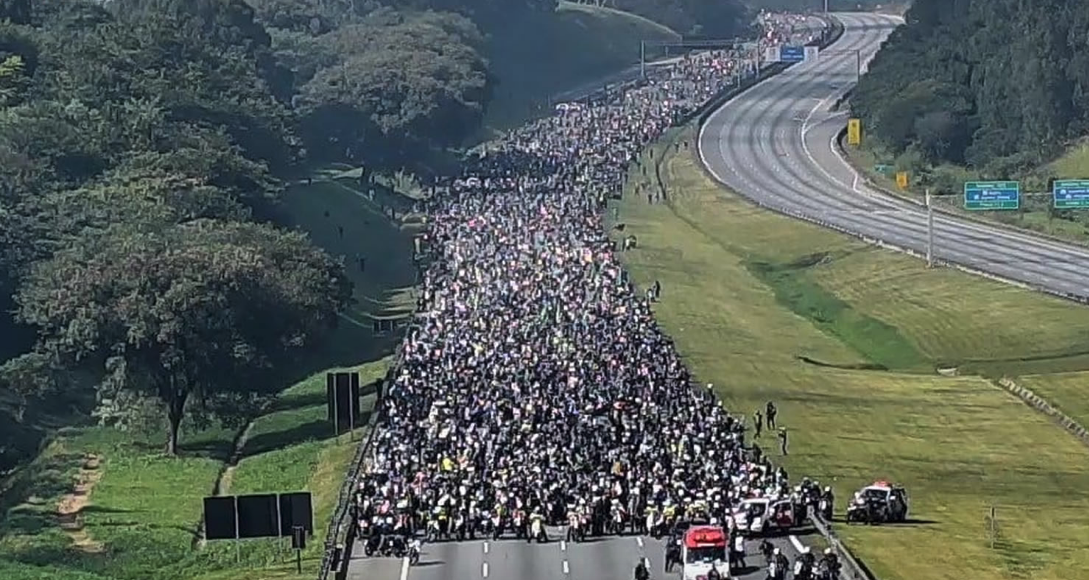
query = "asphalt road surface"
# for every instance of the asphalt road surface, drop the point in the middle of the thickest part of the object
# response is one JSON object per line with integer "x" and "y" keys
{"x": 774, "y": 145}
{"x": 508, "y": 559}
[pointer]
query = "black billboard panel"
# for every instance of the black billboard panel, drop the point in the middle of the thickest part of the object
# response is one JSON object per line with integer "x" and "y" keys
{"x": 220, "y": 521}
{"x": 296, "y": 510}
{"x": 257, "y": 516}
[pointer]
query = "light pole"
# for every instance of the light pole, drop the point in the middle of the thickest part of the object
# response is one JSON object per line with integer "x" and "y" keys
{"x": 929, "y": 231}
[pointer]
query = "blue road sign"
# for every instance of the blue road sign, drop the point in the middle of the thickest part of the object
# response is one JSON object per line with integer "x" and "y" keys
{"x": 1070, "y": 193}
{"x": 980, "y": 195}
{"x": 791, "y": 53}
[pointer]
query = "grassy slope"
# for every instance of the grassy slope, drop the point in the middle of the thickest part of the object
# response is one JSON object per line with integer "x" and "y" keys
{"x": 145, "y": 508}
{"x": 534, "y": 60}
{"x": 1066, "y": 391}
{"x": 958, "y": 444}
{"x": 1036, "y": 213}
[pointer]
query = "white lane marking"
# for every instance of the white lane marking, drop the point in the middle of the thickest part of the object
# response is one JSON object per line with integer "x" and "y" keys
{"x": 404, "y": 568}
{"x": 484, "y": 569}
{"x": 563, "y": 546}
{"x": 839, "y": 156}
{"x": 796, "y": 543}
{"x": 485, "y": 547}
{"x": 566, "y": 567}
{"x": 639, "y": 540}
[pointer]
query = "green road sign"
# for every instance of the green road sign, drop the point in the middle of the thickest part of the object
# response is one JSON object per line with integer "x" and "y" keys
{"x": 883, "y": 169}
{"x": 1070, "y": 193}
{"x": 983, "y": 195}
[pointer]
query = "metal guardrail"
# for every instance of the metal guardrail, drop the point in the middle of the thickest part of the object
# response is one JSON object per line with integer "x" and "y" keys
{"x": 340, "y": 533}
{"x": 851, "y": 569}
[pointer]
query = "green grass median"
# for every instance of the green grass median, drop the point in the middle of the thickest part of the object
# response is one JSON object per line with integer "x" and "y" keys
{"x": 770, "y": 308}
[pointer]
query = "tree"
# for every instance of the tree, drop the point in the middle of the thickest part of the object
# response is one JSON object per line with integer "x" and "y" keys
{"x": 407, "y": 83}
{"x": 993, "y": 84}
{"x": 184, "y": 312}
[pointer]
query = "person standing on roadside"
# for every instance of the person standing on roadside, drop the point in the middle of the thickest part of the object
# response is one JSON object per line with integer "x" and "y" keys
{"x": 758, "y": 422}
{"x": 770, "y": 412}
{"x": 783, "y": 440}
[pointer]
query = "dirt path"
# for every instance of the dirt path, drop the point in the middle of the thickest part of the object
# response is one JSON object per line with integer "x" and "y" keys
{"x": 226, "y": 475}
{"x": 71, "y": 505}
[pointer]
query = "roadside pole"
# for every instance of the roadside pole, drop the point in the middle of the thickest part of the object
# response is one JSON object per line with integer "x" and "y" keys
{"x": 929, "y": 231}
{"x": 643, "y": 59}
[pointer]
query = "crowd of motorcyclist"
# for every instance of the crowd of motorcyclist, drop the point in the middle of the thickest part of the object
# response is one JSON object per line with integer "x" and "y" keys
{"x": 536, "y": 388}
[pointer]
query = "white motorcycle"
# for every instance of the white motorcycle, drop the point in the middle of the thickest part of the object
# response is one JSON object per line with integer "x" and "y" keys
{"x": 536, "y": 532}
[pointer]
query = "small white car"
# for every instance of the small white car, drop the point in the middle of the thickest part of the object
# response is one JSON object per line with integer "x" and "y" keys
{"x": 760, "y": 515}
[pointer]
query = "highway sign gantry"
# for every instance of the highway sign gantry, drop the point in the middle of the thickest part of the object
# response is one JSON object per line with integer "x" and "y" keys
{"x": 1070, "y": 193}
{"x": 988, "y": 195}
{"x": 791, "y": 54}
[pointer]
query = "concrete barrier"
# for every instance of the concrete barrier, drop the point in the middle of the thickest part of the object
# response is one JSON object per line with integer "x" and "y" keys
{"x": 1036, "y": 402}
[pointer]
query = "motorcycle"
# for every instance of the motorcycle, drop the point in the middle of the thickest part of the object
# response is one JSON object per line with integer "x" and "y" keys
{"x": 519, "y": 526}
{"x": 824, "y": 509}
{"x": 655, "y": 526}
{"x": 802, "y": 571}
{"x": 414, "y": 553}
{"x": 374, "y": 541}
{"x": 460, "y": 530}
{"x": 575, "y": 531}
{"x": 672, "y": 556}
{"x": 433, "y": 531}
{"x": 497, "y": 527}
{"x": 536, "y": 532}
{"x": 617, "y": 522}
{"x": 828, "y": 571}
{"x": 864, "y": 513}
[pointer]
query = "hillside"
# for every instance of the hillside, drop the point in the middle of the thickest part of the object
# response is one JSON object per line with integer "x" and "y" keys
{"x": 970, "y": 90}
{"x": 997, "y": 86}
{"x": 582, "y": 43}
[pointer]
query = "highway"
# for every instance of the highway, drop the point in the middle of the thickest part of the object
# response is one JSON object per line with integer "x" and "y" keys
{"x": 598, "y": 559}
{"x": 774, "y": 144}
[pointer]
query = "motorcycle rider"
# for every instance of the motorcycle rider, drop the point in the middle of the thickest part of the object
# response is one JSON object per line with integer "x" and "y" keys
{"x": 713, "y": 574}
{"x": 641, "y": 572}
{"x": 829, "y": 501}
{"x": 737, "y": 553}
{"x": 672, "y": 552}
{"x": 536, "y": 520}
{"x": 414, "y": 548}
{"x": 804, "y": 565}
{"x": 830, "y": 564}
{"x": 778, "y": 566}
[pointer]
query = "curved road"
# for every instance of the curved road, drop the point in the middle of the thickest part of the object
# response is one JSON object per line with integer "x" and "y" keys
{"x": 775, "y": 145}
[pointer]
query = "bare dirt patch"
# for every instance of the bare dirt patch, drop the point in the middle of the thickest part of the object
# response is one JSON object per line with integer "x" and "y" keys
{"x": 71, "y": 505}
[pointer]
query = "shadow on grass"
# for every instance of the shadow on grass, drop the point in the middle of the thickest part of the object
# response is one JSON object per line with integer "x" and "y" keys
{"x": 218, "y": 450}
{"x": 312, "y": 431}
{"x": 47, "y": 478}
{"x": 97, "y": 509}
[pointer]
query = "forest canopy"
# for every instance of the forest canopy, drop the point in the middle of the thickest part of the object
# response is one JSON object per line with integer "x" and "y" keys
{"x": 1001, "y": 84}
{"x": 140, "y": 263}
